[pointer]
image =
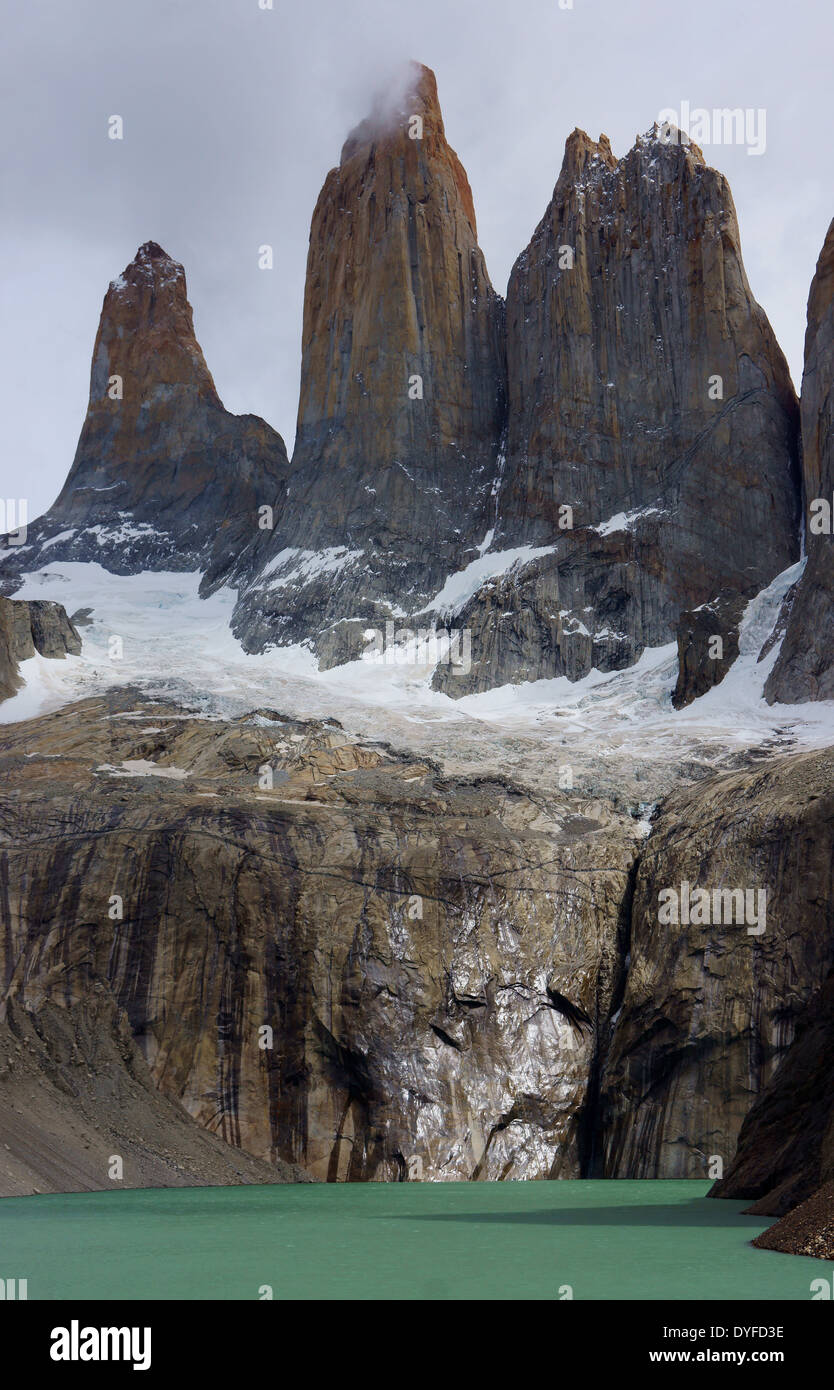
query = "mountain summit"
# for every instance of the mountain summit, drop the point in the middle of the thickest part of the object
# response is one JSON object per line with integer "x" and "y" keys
{"x": 569, "y": 478}
{"x": 652, "y": 438}
{"x": 403, "y": 388}
{"x": 163, "y": 477}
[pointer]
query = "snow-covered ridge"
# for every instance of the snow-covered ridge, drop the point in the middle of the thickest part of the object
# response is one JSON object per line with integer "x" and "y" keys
{"x": 464, "y": 584}
{"x": 614, "y": 729}
{"x": 295, "y": 566}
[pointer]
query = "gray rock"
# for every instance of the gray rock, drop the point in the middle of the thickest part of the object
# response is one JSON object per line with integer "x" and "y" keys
{"x": 804, "y": 669}
{"x": 708, "y": 1010}
{"x": 628, "y": 306}
{"x": 30, "y": 627}
{"x": 163, "y": 476}
{"x": 707, "y": 646}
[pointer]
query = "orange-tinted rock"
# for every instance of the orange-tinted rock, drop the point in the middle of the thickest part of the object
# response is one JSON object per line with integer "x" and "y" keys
{"x": 402, "y": 380}
{"x": 647, "y": 393}
{"x": 163, "y": 476}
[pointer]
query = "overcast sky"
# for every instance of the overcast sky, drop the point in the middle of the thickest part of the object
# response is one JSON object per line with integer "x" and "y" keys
{"x": 233, "y": 115}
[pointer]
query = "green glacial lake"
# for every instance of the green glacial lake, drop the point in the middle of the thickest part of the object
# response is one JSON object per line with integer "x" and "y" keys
{"x": 608, "y": 1240}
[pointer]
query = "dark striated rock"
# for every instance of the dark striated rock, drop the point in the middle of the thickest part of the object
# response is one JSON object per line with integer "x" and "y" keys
{"x": 629, "y": 302}
{"x": 786, "y": 1145}
{"x": 708, "y": 1011}
{"x": 75, "y": 1091}
{"x": 707, "y": 646}
{"x": 163, "y": 476}
{"x": 433, "y": 955}
{"x": 388, "y": 494}
{"x": 30, "y": 627}
{"x": 804, "y": 669}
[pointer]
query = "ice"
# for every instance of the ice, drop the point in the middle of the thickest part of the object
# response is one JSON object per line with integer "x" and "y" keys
{"x": 293, "y": 566}
{"x": 464, "y": 584}
{"x": 617, "y": 730}
{"x": 56, "y": 540}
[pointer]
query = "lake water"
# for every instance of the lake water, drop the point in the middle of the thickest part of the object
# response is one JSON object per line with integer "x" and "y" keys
{"x": 525, "y": 1240}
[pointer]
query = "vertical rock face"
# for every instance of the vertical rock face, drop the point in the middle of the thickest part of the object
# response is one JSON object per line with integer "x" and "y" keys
{"x": 648, "y": 395}
{"x": 402, "y": 383}
{"x": 430, "y": 957}
{"x": 163, "y": 476}
{"x": 804, "y": 669}
{"x": 26, "y": 628}
{"x": 786, "y": 1145}
{"x": 710, "y": 1008}
{"x": 708, "y": 644}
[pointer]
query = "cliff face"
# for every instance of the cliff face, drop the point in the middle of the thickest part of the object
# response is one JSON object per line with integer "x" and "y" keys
{"x": 75, "y": 1090}
{"x": 805, "y": 667}
{"x": 403, "y": 387}
{"x": 786, "y": 1145}
{"x": 335, "y": 956}
{"x": 652, "y": 423}
{"x": 430, "y": 957}
{"x": 708, "y": 644}
{"x": 615, "y": 450}
{"x": 30, "y": 627}
{"x": 163, "y": 476}
{"x": 709, "y": 1009}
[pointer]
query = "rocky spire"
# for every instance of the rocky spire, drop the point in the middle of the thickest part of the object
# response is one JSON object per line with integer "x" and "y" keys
{"x": 163, "y": 476}
{"x": 652, "y": 421}
{"x": 804, "y": 669}
{"x": 397, "y": 287}
{"x": 402, "y": 380}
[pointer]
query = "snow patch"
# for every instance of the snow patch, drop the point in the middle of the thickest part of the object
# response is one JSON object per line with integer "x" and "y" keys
{"x": 56, "y": 540}
{"x": 626, "y": 521}
{"x": 179, "y": 647}
{"x": 464, "y": 584}
{"x": 140, "y": 767}
{"x": 294, "y": 566}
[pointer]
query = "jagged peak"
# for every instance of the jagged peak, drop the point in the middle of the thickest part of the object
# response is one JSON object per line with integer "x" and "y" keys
{"x": 151, "y": 262}
{"x": 152, "y": 251}
{"x": 146, "y": 311}
{"x": 584, "y": 156}
{"x": 411, "y": 91}
{"x": 387, "y": 130}
{"x": 667, "y": 135}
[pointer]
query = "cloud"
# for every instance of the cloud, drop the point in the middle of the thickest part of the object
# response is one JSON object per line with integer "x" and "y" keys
{"x": 233, "y": 116}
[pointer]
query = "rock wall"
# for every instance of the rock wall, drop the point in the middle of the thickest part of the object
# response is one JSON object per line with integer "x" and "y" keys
{"x": 786, "y": 1145}
{"x": 804, "y": 669}
{"x": 30, "y": 627}
{"x": 709, "y": 1009}
{"x": 332, "y": 955}
{"x": 163, "y": 477}
{"x": 433, "y": 956}
{"x": 652, "y": 438}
